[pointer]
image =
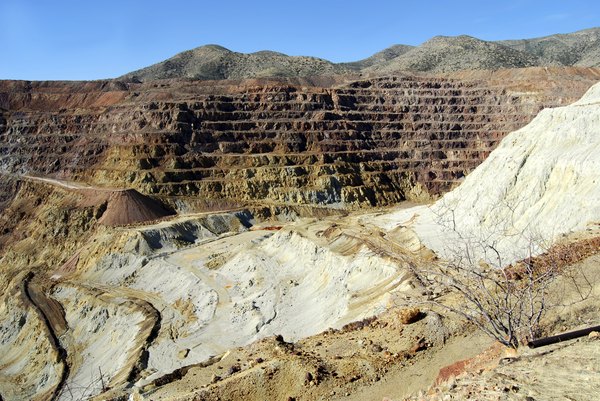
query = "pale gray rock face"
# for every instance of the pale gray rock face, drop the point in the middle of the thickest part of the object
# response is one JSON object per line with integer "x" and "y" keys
{"x": 540, "y": 183}
{"x": 229, "y": 289}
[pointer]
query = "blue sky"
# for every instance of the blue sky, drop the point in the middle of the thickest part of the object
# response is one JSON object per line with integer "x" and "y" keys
{"x": 86, "y": 39}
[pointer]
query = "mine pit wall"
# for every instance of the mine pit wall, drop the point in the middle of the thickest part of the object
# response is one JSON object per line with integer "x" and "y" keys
{"x": 40, "y": 213}
{"x": 374, "y": 142}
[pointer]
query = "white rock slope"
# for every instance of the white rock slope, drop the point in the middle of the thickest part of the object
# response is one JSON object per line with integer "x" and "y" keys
{"x": 214, "y": 285}
{"x": 542, "y": 181}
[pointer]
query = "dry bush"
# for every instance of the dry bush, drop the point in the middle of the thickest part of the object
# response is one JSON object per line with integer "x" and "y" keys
{"x": 506, "y": 303}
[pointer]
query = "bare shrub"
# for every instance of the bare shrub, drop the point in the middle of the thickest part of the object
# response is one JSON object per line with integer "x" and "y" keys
{"x": 505, "y": 301}
{"x": 70, "y": 391}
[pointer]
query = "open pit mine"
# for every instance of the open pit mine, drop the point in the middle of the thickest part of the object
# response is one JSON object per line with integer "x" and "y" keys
{"x": 253, "y": 239}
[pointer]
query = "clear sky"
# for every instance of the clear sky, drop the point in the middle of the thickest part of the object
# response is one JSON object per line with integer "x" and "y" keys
{"x": 87, "y": 39}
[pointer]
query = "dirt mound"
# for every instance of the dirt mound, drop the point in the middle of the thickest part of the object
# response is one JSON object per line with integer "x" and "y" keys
{"x": 129, "y": 206}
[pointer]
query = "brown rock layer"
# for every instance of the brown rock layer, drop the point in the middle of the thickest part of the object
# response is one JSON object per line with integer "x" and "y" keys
{"x": 128, "y": 207}
{"x": 374, "y": 141}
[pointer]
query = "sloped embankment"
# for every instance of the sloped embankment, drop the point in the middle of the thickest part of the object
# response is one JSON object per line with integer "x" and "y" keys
{"x": 128, "y": 207}
{"x": 541, "y": 182}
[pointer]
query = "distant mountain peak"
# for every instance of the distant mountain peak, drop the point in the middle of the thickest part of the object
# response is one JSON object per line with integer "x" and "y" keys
{"x": 214, "y": 47}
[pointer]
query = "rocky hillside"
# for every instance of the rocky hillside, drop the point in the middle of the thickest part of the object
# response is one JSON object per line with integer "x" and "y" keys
{"x": 215, "y": 62}
{"x": 379, "y": 58}
{"x": 580, "y": 48}
{"x": 439, "y": 54}
{"x": 444, "y": 54}
{"x": 198, "y": 239}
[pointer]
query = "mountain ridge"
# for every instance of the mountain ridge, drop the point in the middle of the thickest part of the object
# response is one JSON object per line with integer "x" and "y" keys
{"x": 214, "y": 62}
{"x": 438, "y": 54}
